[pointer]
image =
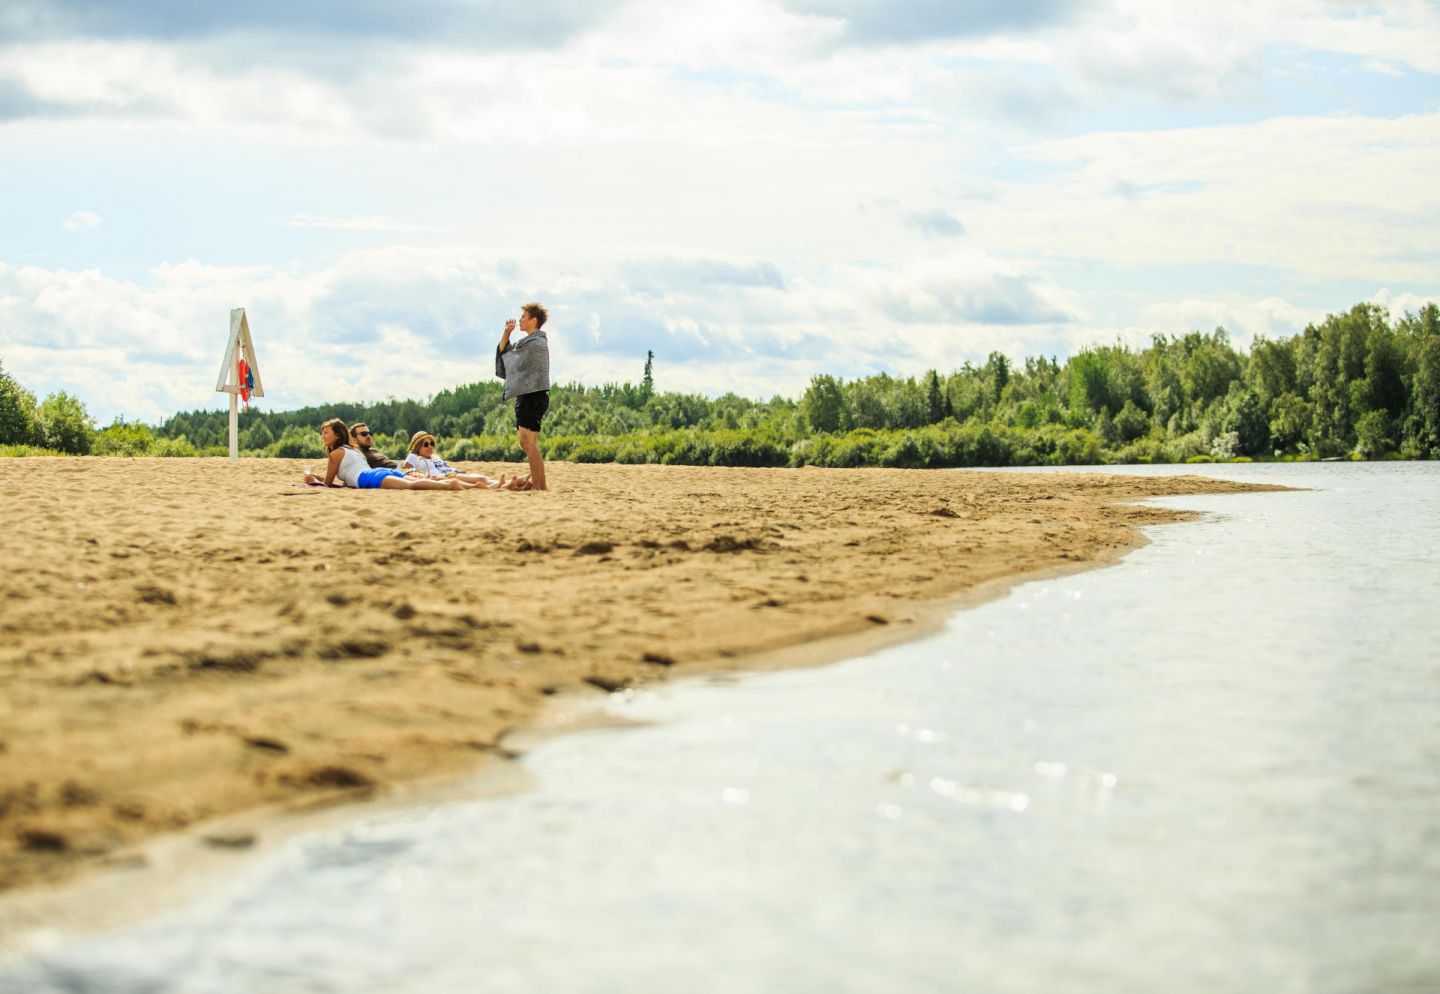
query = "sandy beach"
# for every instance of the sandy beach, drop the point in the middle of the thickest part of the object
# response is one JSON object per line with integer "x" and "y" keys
{"x": 188, "y": 639}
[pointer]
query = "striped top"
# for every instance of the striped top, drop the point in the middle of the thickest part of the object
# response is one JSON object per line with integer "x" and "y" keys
{"x": 524, "y": 365}
{"x": 430, "y": 467}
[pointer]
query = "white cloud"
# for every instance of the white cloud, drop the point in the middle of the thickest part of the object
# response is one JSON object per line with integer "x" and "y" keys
{"x": 1242, "y": 317}
{"x": 1175, "y": 50}
{"x": 1328, "y": 198}
{"x": 411, "y": 321}
{"x": 962, "y": 288}
{"x": 1395, "y": 32}
{"x": 691, "y": 178}
{"x": 408, "y": 322}
{"x": 82, "y": 221}
{"x": 1400, "y": 304}
{"x": 936, "y": 223}
{"x": 706, "y": 68}
{"x": 354, "y": 223}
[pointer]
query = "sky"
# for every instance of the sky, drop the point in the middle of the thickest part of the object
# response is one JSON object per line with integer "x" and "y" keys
{"x": 755, "y": 190}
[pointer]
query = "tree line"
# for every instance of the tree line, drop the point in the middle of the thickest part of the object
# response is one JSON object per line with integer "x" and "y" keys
{"x": 58, "y": 424}
{"x": 1357, "y": 384}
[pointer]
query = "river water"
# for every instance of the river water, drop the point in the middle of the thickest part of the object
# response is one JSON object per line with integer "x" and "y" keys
{"x": 1214, "y": 767}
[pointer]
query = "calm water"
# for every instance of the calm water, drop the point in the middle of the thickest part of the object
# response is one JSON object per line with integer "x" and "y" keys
{"x": 1212, "y": 768}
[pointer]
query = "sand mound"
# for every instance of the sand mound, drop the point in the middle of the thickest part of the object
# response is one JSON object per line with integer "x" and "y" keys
{"x": 188, "y": 638}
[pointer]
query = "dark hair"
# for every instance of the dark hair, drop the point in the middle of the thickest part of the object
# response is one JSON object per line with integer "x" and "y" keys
{"x": 538, "y": 312}
{"x": 342, "y": 434}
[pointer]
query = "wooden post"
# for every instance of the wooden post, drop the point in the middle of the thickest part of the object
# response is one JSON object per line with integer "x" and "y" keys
{"x": 234, "y": 427}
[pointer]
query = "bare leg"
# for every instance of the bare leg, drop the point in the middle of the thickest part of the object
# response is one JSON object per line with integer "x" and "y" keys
{"x": 400, "y": 483}
{"x": 530, "y": 444}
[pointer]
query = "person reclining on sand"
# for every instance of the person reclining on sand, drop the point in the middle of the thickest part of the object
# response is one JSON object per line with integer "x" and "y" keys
{"x": 360, "y": 437}
{"x": 422, "y": 457}
{"x": 346, "y": 463}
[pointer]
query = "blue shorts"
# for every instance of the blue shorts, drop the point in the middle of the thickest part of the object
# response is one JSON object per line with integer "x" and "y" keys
{"x": 370, "y": 478}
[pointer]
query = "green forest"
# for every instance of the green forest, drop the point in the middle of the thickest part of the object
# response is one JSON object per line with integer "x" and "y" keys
{"x": 1357, "y": 385}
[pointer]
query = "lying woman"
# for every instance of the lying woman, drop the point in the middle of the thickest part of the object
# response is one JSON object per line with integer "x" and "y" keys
{"x": 423, "y": 458}
{"x": 349, "y": 465}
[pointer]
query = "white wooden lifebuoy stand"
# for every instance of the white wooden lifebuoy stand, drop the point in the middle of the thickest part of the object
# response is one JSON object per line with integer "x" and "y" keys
{"x": 238, "y": 345}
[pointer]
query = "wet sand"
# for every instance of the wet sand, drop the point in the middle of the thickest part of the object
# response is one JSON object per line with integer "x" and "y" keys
{"x": 185, "y": 640}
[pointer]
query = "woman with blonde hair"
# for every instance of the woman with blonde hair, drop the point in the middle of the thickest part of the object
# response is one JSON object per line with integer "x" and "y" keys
{"x": 422, "y": 457}
{"x": 346, "y": 463}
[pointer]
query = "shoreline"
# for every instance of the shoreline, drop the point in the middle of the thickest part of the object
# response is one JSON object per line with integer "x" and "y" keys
{"x": 862, "y": 613}
{"x": 172, "y": 868}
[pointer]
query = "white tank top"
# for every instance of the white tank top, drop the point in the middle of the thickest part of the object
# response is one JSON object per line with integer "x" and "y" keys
{"x": 351, "y": 467}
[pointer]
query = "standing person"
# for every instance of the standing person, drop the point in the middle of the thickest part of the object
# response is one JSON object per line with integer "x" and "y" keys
{"x": 360, "y": 437}
{"x": 525, "y": 368}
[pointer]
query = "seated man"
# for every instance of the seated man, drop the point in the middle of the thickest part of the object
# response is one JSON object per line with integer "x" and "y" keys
{"x": 360, "y": 437}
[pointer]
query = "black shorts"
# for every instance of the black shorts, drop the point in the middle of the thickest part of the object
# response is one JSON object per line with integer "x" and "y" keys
{"x": 530, "y": 409}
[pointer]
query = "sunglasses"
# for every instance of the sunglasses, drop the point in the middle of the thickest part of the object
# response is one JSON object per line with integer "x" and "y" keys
{"x": 427, "y": 445}
{"x": 362, "y": 434}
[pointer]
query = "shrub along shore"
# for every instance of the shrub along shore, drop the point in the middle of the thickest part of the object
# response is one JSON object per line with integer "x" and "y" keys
{"x": 1358, "y": 384}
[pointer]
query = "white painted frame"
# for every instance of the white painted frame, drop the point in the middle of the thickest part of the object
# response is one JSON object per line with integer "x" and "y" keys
{"x": 229, "y": 379}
